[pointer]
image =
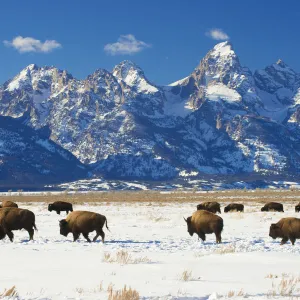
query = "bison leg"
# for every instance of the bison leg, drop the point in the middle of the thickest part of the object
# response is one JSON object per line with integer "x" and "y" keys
{"x": 31, "y": 233}
{"x": 67, "y": 212}
{"x": 86, "y": 236}
{"x": 10, "y": 235}
{"x": 284, "y": 240}
{"x": 292, "y": 239}
{"x": 218, "y": 238}
{"x": 58, "y": 212}
{"x": 101, "y": 233}
{"x": 75, "y": 236}
{"x": 202, "y": 236}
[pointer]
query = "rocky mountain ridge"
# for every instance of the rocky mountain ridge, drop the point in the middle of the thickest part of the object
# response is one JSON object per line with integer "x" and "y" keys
{"x": 221, "y": 119}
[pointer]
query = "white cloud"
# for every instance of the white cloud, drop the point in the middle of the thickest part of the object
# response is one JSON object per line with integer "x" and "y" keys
{"x": 126, "y": 44}
{"x": 29, "y": 44}
{"x": 217, "y": 34}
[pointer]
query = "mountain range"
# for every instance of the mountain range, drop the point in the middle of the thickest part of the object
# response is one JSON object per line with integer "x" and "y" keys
{"x": 221, "y": 120}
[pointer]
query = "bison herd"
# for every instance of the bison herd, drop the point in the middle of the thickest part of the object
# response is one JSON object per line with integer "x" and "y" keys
{"x": 203, "y": 221}
{"x": 77, "y": 222}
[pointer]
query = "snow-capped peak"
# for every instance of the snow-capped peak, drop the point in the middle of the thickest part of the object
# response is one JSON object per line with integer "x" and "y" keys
{"x": 31, "y": 67}
{"x": 222, "y": 49}
{"x": 281, "y": 63}
{"x": 133, "y": 76}
{"x": 22, "y": 79}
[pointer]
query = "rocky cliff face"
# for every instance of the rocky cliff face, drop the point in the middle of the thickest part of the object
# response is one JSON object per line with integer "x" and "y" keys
{"x": 221, "y": 119}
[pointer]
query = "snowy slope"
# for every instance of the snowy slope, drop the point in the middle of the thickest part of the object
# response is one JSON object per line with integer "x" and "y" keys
{"x": 28, "y": 157}
{"x": 160, "y": 249}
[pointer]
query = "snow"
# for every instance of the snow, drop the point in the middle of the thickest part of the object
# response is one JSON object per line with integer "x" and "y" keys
{"x": 176, "y": 105}
{"x": 179, "y": 82}
{"x": 222, "y": 49}
{"x": 133, "y": 76}
{"x": 46, "y": 144}
{"x": 219, "y": 91}
{"x": 185, "y": 173}
{"x": 272, "y": 108}
{"x": 53, "y": 267}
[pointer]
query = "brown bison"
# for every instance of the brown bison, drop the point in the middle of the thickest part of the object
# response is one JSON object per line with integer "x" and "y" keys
{"x": 273, "y": 206}
{"x": 297, "y": 207}
{"x": 287, "y": 229}
{"x": 213, "y": 207}
{"x": 59, "y": 206}
{"x": 7, "y": 203}
{"x": 12, "y": 218}
{"x": 204, "y": 222}
{"x": 83, "y": 222}
{"x": 234, "y": 207}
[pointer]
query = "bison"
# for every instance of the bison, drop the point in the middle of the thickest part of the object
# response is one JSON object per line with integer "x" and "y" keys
{"x": 12, "y": 218}
{"x": 59, "y": 206}
{"x": 204, "y": 222}
{"x": 287, "y": 229}
{"x": 297, "y": 207}
{"x": 234, "y": 207}
{"x": 7, "y": 203}
{"x": 83, "y": 222}
{"x": 213, "y": 207}
{"x": 273, "y": 206}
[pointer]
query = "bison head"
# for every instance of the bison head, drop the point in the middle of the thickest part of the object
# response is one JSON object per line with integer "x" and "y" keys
{"x": 50, "y": 207}
{"x": 297, "y": 208}
{"x": 226, "y": 209}
{"x": 200, "y": 206}
{"x": 190, "y": 228}
{"x": 275, "y": 231}
{"x": 64, "y": 227}
{"x": 264, "y": 209}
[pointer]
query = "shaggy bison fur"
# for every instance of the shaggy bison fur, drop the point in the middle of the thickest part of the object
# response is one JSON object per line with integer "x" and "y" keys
{"x": 273, "y": 206}
{"x": 16, "y": 219}
{"x": 213, "y": 207}
{"x": 7, "y": 203}
{"x": 234, "y": 207}
{"x": 204, "y": 222}
{"x": 59, "y": 206}
{"x": 83, "y": 222}
{"x": 287, "y": 229}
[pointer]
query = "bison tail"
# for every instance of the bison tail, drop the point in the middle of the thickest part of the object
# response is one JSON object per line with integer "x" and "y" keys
{"x": 106, "y": 224}
{"x": 34, "y": 226}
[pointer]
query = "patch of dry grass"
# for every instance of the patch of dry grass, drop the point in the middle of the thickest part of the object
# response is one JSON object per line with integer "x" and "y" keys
{"x": 187, "y": 275}
{"x": 271, "y": 276}
{"x": 156, "y": 218}
{"x": 160, "y": 198}
{"x": 233, "y": 294}
{"x": 287, "y": 286}
{"x": 123, "y": 257}
{"x": 224, "y": 250}
{"x": 123, "y": 294}
{"x": 10, "y": 293}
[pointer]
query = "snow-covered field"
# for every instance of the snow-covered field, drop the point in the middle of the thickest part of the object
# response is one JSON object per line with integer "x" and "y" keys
{"x": 159, "y": 249}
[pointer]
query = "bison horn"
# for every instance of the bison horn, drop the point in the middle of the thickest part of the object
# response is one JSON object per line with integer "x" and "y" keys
{"x": 184, "y": 219}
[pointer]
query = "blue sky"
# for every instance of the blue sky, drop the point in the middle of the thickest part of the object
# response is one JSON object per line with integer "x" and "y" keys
{"x": 166, "y": 38}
